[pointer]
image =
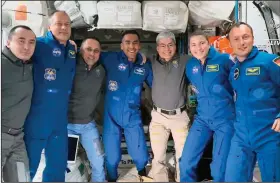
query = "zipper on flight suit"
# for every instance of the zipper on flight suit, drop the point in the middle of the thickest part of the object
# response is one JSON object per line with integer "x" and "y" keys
{"x": 202, "y": 67}
{"x": 124, "y": 90}
{"x": 243, "y": 101}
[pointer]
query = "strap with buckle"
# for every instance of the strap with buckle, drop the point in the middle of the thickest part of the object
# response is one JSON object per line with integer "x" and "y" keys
{"x": 171, "y": 112}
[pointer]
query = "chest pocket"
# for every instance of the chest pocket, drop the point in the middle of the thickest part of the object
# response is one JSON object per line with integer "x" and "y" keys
{"x": 255, "y": 78}
{"x": 253, "y": 75}
{"x": 194, "y": 75}
{"x": 215, "y": 78}
{"x": 59, "y": 72}
{"x": 138, "y": 75}
{"x": 67, "y": 72}
{"x": 15, "y": 72}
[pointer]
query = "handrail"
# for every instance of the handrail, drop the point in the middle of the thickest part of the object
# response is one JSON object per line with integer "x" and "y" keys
{"x": 236, "y": 10}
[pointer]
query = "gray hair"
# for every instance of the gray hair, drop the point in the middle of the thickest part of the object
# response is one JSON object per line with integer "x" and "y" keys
{"x": 53, "y": 13}
{"x": 165, "y": 34}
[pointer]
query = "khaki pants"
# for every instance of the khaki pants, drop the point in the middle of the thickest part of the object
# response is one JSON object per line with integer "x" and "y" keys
{"x": 160, "y": 128}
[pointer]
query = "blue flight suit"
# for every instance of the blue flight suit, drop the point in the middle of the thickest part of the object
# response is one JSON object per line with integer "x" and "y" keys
{"x": 46, "y": 124}
{"x": 215, "y": 115}
{"x": 256, "y": 82}
{"x": 124, "y": 82}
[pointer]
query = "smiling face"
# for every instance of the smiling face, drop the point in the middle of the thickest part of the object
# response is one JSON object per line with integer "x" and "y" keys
{"x": 241, "y": 40}
{"x": 60, "y": 26}
{"x": 166, "y": 48}
{"x": 90, "y": 51}
{"x": 199, "y": 47}
{"x": 22, "y": 43}
{"x": 130, "y": 46}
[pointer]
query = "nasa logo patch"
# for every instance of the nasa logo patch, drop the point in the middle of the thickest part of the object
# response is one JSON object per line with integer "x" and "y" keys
{"x": 56, "y": 52}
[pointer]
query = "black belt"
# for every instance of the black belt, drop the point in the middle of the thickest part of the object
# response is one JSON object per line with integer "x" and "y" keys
{"x": 11, "y": 131}
{"x": 172, "y": 112}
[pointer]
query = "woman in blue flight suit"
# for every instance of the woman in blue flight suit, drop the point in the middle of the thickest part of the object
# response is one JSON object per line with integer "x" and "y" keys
{"x": 208, "y": 73}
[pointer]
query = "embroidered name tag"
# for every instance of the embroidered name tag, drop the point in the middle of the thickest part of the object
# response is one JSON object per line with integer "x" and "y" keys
{"x": 140, "y": 71}
{"x": 212, "y": 68}
{"x": 253, "y": 71}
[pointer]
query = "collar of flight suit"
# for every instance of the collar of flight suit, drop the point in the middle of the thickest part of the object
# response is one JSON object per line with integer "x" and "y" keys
{"x": 8, "y": 53}
{"x": 211, "y": 54}
{"x": 251, "y": 55}
{"x": 138, "y": 60}
{"x": 50, "y": 36}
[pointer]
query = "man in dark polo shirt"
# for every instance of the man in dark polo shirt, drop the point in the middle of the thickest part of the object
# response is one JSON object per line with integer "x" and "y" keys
{"x": 17, "y": 88}
{"x": 169, "y": 98}
{"x": 86, "y": 92}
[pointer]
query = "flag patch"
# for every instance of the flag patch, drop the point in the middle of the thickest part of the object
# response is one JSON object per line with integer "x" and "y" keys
{"x": 277, "y": 61}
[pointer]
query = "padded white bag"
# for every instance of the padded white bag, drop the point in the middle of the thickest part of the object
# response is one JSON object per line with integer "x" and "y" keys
{"x": 71, "y": 8}
{"x": 210, "y": 13}
{"x": 82, "y": 13}
{"x": 165, "y": 15}
{"x": 119, "y": 15}
{"x": 88, "y": 10}
{"x": 34, "y": 18}
{"x": 77, "y": 172}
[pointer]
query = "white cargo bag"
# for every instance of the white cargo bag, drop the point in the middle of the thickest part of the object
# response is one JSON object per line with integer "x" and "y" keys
{"x": 128, "y": 175}
{"x": 88, "y": 10}
{"x": 39, "y": 174}
{"x": 210, "y": 13}
{"x": 165, "y": 15}
{"x": 76, "y": 172}
{"x": 81, "y": 13}
{"x": 119, "y": 15}
{"x": 70, "y": 7}
{"x": 35, "y": 17}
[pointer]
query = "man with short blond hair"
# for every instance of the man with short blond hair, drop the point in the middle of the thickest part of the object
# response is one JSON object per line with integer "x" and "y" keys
{"x": 46, "y": 125}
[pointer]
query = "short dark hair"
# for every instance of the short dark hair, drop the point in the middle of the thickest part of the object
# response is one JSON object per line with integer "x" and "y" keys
{"x": 198, "y": 32}
{"x": 130, "y": 32}
{"x": 93, "y": 38}
{"x": 13, "y": 30}
{"x": 238, "y": 24}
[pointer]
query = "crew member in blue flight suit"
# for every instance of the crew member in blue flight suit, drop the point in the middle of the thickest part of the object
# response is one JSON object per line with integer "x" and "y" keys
{"x": 208, "y": 73}
{"x": 46, "y": 125}
{"x": 126, "y": 73}
{"x": 256, "y": 81}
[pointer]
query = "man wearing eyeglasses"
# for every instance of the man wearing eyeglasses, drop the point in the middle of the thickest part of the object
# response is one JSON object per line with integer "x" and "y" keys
{"x": 86, "y": 93}
{"x": 169, "y": 98}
